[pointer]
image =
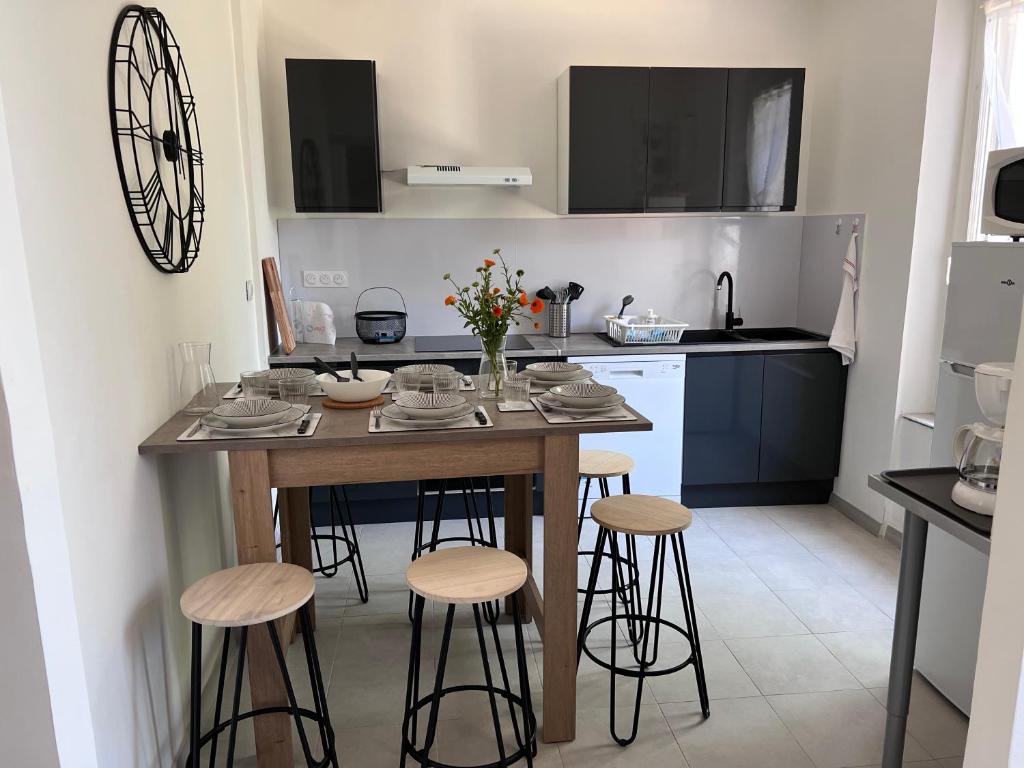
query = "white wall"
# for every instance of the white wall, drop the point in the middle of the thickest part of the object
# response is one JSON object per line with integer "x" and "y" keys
{"x": 474, "y": 82}
{"x": 107, "y": 323}
{"x": 870, "y": 82}
{"x": 667, "y": 264}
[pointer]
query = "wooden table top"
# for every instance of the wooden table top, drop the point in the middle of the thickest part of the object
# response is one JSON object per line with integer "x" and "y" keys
{"x": 349, "y": 428}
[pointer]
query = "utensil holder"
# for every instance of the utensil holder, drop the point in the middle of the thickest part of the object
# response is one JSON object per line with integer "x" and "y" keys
{"x": 559, "y": 320}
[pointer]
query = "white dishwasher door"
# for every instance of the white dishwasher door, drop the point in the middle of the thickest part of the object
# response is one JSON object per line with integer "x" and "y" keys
{"x": 653, "y": 385}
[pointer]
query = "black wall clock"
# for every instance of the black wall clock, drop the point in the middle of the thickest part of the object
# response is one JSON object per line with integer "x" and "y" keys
{"x": 156, "y": 138}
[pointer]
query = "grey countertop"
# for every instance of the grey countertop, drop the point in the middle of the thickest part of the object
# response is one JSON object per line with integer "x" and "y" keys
{"x": 577, "y": 345}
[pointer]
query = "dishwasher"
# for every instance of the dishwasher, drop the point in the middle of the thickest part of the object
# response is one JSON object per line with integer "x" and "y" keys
{"x": 653, "y": 385}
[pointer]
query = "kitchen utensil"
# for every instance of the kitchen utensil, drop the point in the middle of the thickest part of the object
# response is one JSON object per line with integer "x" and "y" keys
{"x": 325, "y": 368}
{"x": 294, "y": 390}
{"x": 978, "y": 447}
{"x": 354, "y": 364}
{"x": 583, "y": 394}
{"x": 626, "y": 301}
{"x": 546, "y": 293}
{"x": 430, "y": 405}
{"x": 250, "y": 412}
{"x": 394, "y": 413}
{"x": 256, "y": 384}
{"x": 575, "y": 291}
{"x": 446, "y": 382}
{"x": 303, "y": 426}
{"x": 197, "y": 385}
{"x": 274, "y": 290}
{"x": 373, "y": 384}
{"x": 481, "y": 417}
{"x": 559, "y": 319}
{"x": 517, "y": 389}
{"x": 287, "y": 418}
{"x": 381, "y": 326}
{"x": 375, "y": 415}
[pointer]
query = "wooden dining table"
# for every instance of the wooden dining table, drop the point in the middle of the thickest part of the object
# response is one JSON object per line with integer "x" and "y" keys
{"x": 342, "y": 450}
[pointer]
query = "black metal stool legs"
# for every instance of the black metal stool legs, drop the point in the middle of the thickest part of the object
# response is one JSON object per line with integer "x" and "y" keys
{"x": 341, "y": 516}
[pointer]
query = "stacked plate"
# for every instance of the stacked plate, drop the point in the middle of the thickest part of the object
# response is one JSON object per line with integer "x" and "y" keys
{"x": 427, "y": 409}
{"x": 582, "y": 398}
{"x": 425, "y": 371}
{"x": 548, "y": 375}
{"x": 276, "y": 374}
{"x": 255, "y": 415}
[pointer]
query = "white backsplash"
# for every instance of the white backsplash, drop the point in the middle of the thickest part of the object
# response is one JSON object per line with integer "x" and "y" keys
{"x": 668, "y": 264}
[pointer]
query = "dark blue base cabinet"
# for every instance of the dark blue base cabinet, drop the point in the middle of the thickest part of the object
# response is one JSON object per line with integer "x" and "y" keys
{"x": 762, "y": 428}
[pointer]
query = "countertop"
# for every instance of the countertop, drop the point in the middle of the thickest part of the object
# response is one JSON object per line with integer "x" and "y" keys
{"x": 577, "y": 345}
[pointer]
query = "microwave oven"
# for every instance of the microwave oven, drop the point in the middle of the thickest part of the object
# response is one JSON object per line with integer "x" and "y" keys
{"x": 1002, "y": 211}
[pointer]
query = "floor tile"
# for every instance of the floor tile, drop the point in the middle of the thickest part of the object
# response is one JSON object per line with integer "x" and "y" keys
{"x": 741, "y": 733}
{"x": 715, "y": 516}
{"x": 799, "y": 664}
{"x": 726, "y": 678}
{"x": 655, "y": 746}
{"x": 939, "y": 726}
{"x": 753, "y": 615}
{"x": 865, "y": 654}
{"x": 792, "y": 571}
{"x": 369, "y": 747}
{"x": 762, "y": 539}
{"x": 839, "y": 729}
{"x": 836, "y": 608}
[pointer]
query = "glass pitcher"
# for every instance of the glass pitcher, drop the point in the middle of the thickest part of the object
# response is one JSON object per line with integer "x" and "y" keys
{"x": 198, "y": 388}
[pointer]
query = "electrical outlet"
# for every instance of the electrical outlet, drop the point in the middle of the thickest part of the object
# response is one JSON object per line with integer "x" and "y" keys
{"x": 325, "y": 278}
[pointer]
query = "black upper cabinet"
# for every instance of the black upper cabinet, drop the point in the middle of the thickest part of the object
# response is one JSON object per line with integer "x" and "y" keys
{"x": 687, "y": 132}
{"x": 762, "y": 139}
{"x": 332, "y": 114}
{"x": 607, "y": 138}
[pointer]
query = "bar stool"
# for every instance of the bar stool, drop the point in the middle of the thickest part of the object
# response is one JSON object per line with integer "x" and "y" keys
{"x": 468, "y": 576}
{"x": 240, "y": 598}
{"x": 340, "y": 516}
{"x": 600, "y": 466}
{"x": 476, "y": 535}
{"x": 665, "y": 520}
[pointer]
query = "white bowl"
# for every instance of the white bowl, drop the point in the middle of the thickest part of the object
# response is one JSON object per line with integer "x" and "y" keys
{"x": 251, "y": 412}
{"x": 430, "y": 405}
{"x": 584, "y": 394}
{"x": 352, "y": 391}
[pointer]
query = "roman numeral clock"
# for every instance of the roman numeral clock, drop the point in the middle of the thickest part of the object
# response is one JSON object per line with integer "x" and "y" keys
{"x": 156, "y": 138}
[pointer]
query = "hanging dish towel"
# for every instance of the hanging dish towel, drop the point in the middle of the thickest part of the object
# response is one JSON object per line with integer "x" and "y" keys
{"x": 844, "y": 332}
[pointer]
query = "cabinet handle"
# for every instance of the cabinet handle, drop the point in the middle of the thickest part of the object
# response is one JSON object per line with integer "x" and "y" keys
{"x": 638, "y": 373}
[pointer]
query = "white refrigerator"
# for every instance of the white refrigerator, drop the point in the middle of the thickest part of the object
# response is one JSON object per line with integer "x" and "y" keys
{"x": 983, "y": 311}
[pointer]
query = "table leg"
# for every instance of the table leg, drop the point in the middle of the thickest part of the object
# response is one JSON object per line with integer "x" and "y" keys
{"x": 561, "y": 480}
{"x": 254, "y": 540}
{"x": 295, "y": 531}
{"x": 519, "y": 528}
{"x": 904, "y": 638}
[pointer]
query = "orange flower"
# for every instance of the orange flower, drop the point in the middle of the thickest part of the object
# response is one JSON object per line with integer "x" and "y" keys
{"x": 496, "y": 291}
{"x": 537, "y": 306}
{"x": 523, "y": 301}
{"x": 496, "y": 311}
{"x": 489, "y": 263}
{"x": 449, "y": 301}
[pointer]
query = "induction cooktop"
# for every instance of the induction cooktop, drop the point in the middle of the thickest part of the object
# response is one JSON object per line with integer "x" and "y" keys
{"x": 464, "y": 343}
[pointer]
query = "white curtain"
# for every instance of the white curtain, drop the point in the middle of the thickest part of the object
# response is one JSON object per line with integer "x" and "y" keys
{"x": 767, "y": 144}
{"x": 1004, "y": 70}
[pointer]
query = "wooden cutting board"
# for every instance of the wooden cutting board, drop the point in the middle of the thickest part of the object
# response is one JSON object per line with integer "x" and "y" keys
{"x": 275, "y": 292}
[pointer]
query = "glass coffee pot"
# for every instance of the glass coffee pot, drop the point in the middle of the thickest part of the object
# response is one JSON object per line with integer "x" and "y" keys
{"x": 198, "y": 388}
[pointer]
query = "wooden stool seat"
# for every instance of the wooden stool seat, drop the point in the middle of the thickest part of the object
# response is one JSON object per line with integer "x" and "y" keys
{"x": 597, "y": 464}
{"x": 641, "y": 515}
{"x": 466, "y": 575}
{"x": 247, "y": 595}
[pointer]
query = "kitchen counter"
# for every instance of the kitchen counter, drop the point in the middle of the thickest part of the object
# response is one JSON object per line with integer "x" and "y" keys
{"x": 577, "y": 345}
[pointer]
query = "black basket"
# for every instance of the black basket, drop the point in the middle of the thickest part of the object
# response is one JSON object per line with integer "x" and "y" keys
{"x": 381, "y": 326}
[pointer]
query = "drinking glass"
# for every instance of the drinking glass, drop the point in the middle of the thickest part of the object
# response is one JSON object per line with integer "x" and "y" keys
{"x": 517, "y": 389}
{"x": 294, "y": 390}
{"x": 511, "y": 367}
{"x": 407, "y": 381}
{"x": 256, "y": 384}
{"x": 198, "y": 388}
{"x": 447, "y": 382}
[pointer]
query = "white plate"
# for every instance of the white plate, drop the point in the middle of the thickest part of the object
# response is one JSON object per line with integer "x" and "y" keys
{"x": 214, "y": 424}
{"x": 556, "y": 405}
{"x": 394, "y": 413}
{"x": 276, "y": 374}
{"x": 557, "y": 378}
{"x": 584, "y": 394}
{"x": 251, "y": 412}
{"x": 425, "y": 370}
{"x": 430, "y": 405}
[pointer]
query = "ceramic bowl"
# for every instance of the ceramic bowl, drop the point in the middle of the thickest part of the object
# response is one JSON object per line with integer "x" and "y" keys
{"x": 430, "y": 405}
{"x": 584, "y": 394}
{"x": 276, "y": 374}
{"x": 425, "y": 370}
{"x": 251, "y": 412}
{"x": 555, "y": 371}
{"x": 352, "y": 391}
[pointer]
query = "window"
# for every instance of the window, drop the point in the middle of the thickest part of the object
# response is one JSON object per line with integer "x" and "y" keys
{"x": 1001, "y": 119}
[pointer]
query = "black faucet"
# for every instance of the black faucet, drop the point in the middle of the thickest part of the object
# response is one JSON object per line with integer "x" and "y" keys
{"x": 731, "y": 321}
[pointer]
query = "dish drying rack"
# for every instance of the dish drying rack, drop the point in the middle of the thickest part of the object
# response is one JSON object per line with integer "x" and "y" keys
{"x": 631, "y": 329}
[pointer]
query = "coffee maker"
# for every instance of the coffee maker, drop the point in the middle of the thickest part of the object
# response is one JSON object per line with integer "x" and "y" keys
{"x": 978, "y": 447}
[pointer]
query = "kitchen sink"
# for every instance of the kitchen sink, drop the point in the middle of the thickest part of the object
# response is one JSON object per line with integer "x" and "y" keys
{"x": 747, "y": 335}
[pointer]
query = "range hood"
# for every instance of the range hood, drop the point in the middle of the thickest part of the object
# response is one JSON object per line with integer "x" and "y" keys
{"x": 465, "y": 175}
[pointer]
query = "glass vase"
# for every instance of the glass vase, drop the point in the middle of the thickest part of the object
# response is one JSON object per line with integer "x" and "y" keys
{"x": 198, "y": 388}
{"x": 492, "y": 367}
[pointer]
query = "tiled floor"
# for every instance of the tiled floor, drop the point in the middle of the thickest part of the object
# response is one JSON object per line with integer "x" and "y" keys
{"x": 795, "y": 612}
